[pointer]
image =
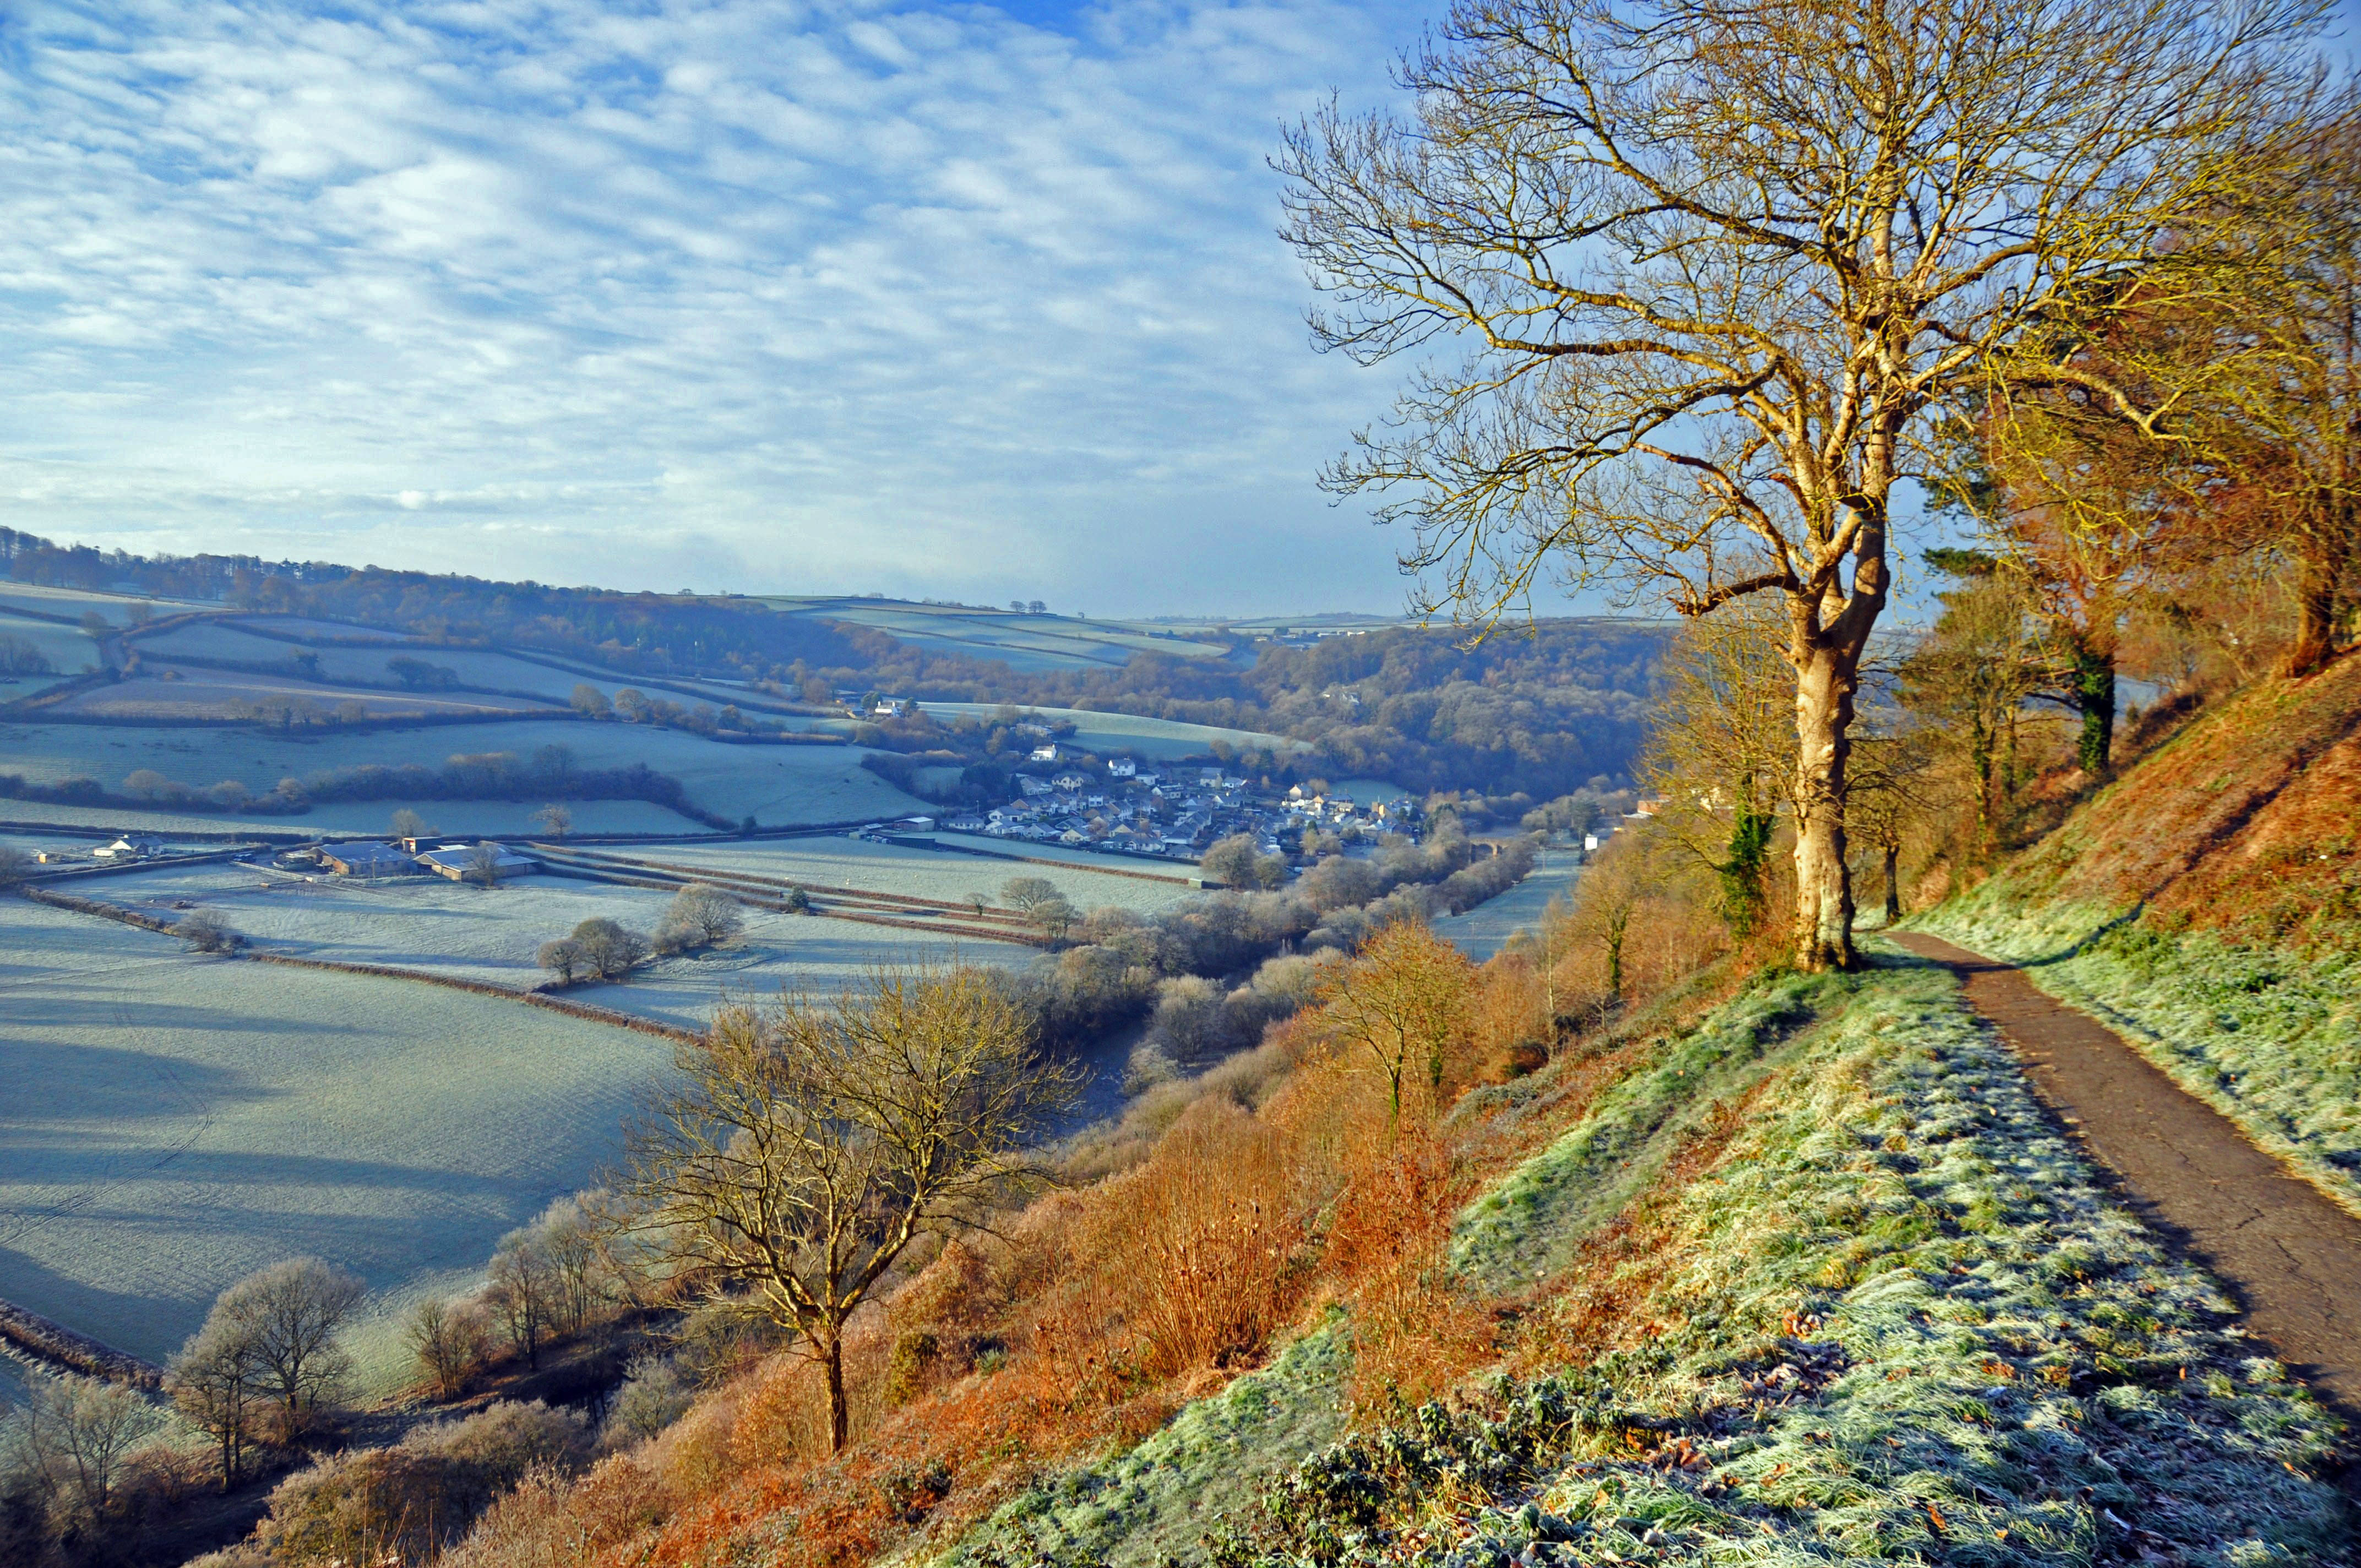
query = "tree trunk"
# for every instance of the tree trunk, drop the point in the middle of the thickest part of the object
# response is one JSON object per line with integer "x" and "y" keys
{"x": 840, "y": 1418}
{"x": 1825, "y": 678}
{"x": 1893, "y": 885}
{"x": 2318, "y": 582}
{"x": 2095, "y": 696}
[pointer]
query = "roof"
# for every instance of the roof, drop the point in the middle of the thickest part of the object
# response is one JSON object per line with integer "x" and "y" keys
{"x": 459, "y": 858}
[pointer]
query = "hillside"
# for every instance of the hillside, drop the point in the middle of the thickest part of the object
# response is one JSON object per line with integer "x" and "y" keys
{"x": 1765, "y": 1268}
{"x": 2207, "y": 905}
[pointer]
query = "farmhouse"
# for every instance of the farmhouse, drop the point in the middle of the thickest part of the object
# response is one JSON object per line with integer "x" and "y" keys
{"x": 130, "y": 847}
{"x": 367, "y": 858}
{"x": 1046, "y": 753}
{"x": 458, "y": 862}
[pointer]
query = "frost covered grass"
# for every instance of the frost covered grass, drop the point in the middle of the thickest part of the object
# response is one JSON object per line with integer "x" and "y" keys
{"x": 1870, "y": 1304}
{"x": 171, "y": 1122}
{"x": 2268, "y": 1037}
{"x": 492, "y": 937}
{"x": 838, "y": 861}
{"x": 776, "y": 785}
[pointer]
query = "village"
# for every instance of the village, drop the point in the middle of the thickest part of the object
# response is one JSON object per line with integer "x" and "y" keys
{"x": 1117, "y": 807}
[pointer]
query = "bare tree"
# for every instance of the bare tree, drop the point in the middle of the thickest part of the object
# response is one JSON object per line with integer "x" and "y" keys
{"x": 484, "y": 867}
{"x": 216, "y": 1385}
{"x": 14, "y": 865}
{"x": 611, "y": 950}
{"x": 555, "y": 819}
{"x": 524, "y": 1292}
{"x": 1721, "y": 754}
{"x": 1403, "y": 1002}
{"x": 812, "y": 1141}
{"x": 711, "y": 915}
{"x": 565, "y": 959}
{"x": 408, "y": 824}
{"x": 449, "y": 1340}
{"x": 290, "y": 1315}
{"x": 1723, "y": 264}
{"x": 73, "y": 1434}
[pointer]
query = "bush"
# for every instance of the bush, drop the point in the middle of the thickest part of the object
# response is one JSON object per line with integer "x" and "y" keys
{"x": 206, "y": 931}
{"x": 654, "y": 1396}
{"x": 412, "y": 1501}
{"x": 611, "y": 951}
{"x": 711, "y": 914}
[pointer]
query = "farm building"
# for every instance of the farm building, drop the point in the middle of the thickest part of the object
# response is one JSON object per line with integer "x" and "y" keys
{"x": 367, "y": 858}
{"x": 130, "y": 847}
{"x": 458, "y": 862}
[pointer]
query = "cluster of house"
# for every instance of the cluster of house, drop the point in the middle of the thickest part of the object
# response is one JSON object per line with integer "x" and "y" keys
{"x": 1171, "y": 817}
{"x": 372, "y": 859}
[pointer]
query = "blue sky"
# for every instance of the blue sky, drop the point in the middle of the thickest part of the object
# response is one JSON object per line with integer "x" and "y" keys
{"x": 941, "y": 300}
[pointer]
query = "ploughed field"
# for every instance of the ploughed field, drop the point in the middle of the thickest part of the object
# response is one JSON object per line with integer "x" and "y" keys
{"x": 173, "y": 1122}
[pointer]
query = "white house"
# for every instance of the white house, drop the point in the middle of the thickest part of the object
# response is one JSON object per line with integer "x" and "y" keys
{"x": 130, "y": 847}
{"x": 1070, "y": 782}
{"x": 1046, "y": 753}
{"x": 891, "y": 706}
{"x": 1123, "y": 768}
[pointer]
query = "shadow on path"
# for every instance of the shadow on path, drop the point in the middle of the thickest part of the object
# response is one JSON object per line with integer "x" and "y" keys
{"x": 2291, "y": 1257}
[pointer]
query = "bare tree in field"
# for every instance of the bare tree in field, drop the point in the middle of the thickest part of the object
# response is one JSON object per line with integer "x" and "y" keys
{"x": 216, "y": 1386}
{"x": 288, "y": 1316}
{"x": 1718, "y": 267}
{"x": 812, "y": 1141}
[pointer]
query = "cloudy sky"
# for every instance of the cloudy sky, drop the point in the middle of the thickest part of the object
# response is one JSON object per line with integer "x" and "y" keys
{"x": 948, "y": 299}
{"x": 929, "y": 298}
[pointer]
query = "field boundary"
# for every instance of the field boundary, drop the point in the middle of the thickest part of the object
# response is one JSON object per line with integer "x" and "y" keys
{"x": 45, "y": 1339}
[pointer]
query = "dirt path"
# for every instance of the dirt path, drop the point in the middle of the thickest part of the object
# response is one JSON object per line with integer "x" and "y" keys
{"x": 2291, "y": 1257}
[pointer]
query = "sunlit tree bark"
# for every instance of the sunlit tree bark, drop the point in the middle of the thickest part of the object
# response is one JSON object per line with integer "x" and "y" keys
{"x": 1684, "y": 283}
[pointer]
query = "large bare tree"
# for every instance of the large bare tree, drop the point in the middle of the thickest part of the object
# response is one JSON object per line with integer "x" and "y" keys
{"x": 1685, "y": 283}
{"x": 810, "y": 1143}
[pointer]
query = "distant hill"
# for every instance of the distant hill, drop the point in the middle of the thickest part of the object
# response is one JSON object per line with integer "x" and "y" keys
{"x": 1517, "y": 720}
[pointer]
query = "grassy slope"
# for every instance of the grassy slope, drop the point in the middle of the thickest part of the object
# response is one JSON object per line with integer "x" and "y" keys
{"x": 1837, "y": 1289}
{"x": 2207, "y": 905}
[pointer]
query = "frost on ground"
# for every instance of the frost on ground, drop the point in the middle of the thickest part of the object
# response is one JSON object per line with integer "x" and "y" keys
{"x": 171, "y": 1122}
{"x": 2271, "y": 1038}
{"x": 1892, "y": 1317}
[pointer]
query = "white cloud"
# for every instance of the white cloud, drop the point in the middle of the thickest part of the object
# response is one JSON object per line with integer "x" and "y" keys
{"x": 755, "y": 293}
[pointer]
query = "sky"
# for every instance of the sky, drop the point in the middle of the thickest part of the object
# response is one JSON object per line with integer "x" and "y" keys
{"x": 928, "y": 299}
{"x": 933, "y": 300}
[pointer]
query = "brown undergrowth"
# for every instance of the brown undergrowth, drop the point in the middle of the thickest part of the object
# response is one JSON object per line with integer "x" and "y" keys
{"x": 1285, "y": 1186}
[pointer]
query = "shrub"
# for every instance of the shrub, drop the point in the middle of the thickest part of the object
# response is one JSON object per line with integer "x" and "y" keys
{"x": 654, "y": 1396}
{"x": 409, "y": 1502}
{"x": 206, "y": 931}
{"x": 706, "y": 912}
{"x": 611, "y": 949}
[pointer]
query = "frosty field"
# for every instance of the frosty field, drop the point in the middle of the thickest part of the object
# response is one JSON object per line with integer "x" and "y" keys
{"x": 200, "y": 692}
{"x": 776, "y": 784}
{"x": 174, "y": 1121}
{"x": 928, "y": 873}
{"x": 455, "y": 818}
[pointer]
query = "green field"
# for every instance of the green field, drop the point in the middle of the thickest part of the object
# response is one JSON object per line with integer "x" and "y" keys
{"x": 776, "y": 785}
{"x": 1024, "y": 642}
{"x": 174, "y": 1121}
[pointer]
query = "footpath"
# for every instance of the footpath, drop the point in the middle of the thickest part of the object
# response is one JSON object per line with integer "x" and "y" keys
{"x": 2291, "y": 1257}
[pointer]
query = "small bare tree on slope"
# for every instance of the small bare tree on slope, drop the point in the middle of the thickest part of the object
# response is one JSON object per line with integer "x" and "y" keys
{"x": 811, "y": 1142}
{"x": 1719, "y": 267}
